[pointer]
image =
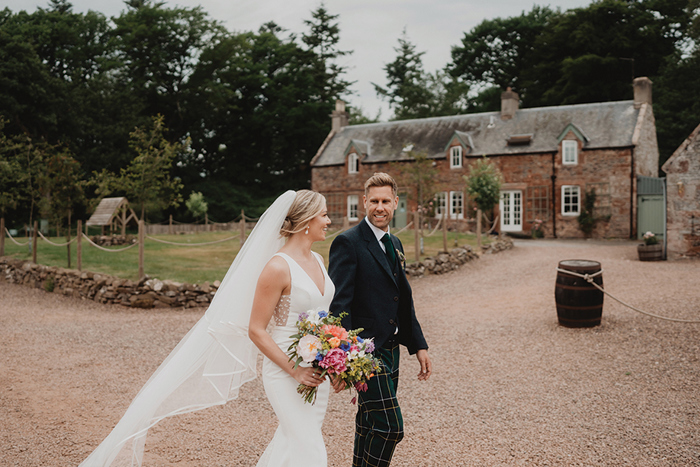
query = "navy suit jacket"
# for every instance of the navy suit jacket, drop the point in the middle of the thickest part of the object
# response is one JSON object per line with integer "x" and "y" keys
{"x": 376, "y": 296}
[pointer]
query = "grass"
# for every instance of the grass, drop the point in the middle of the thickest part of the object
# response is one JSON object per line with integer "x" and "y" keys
{"x": 193, "y": 264}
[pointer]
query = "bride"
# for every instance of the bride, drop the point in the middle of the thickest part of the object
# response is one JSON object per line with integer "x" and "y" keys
{"x": 218, "y": 355}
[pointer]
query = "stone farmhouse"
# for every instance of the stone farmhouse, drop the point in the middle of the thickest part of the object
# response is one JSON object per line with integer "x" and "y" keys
{"x": 549, "y": 157}
{"x": 683, "y": 198}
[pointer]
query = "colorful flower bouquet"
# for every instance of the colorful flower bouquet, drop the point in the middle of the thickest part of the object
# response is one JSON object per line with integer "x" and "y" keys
{"x": 326, "y": 345}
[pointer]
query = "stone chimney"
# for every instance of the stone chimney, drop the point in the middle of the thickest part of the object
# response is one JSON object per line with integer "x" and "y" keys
{"x": 509, "y": 104}
{"x": 642, "y": 91}
{"x": 339, "y": 117}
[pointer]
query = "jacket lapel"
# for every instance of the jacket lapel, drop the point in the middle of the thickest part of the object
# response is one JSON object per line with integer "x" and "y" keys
{"x": 376, "y": 250}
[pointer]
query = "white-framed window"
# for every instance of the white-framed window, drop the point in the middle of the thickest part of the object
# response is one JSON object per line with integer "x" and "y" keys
{"x": 456, "y": 157}
{"x": 353, "y": 163}
{"x": 456, "y": 205}
{"x": 353, "y": 201}
{"x": 569, "y": 151}
{"x": 570, "y": 200}
{"x": 511, "y": 207}
{"x": 440, "y": 204}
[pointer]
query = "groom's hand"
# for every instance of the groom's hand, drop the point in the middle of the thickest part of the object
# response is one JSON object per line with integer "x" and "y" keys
{"x": 337, "y": 383}
{"x": 426, "y": 367}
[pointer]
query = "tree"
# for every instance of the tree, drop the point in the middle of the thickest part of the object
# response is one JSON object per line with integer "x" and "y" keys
{"x": 496, "y": 52}
{"x": 418, "y": 174}
{"x": 591, "y": 54}
{"x": 147, "y": 180}
{"x": 62, "y": 186}
{"x": 322, "y": 39}
{"x": 196, "y": 204}
{"x": 484, "y": 188}
{"x": 12, "y": 177}
{"x": 406, "y": 92}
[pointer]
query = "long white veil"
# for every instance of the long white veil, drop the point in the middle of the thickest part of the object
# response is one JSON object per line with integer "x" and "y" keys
{"x": 212, "y": 361}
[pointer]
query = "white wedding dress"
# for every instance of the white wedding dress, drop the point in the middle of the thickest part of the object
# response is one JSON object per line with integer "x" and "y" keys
{"x": 298, "y": 441}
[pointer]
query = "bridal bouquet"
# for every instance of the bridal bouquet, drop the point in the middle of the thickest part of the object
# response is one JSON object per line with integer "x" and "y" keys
{"x": 324, "y": 343}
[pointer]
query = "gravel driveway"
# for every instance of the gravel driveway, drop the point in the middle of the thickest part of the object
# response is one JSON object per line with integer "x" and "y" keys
{"x": 510, "y": 387}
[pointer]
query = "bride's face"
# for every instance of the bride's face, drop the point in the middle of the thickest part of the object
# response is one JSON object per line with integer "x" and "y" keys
{"x": 319, "y": 225}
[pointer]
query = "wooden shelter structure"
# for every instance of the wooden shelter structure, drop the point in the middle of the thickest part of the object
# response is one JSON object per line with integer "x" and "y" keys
{"x": 114, "y": 212}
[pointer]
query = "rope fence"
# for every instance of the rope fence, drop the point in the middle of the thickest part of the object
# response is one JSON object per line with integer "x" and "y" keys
{"x": 110, "y": 250}
{"x": 589, "y": 278}
{"x": 190, "y": 244}
{"x": 12, "y": 239}
{"x": 55, "y": 244}
{"x": 142, "y": 236}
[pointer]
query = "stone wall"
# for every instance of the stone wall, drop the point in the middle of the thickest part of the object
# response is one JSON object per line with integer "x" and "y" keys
{"x": 446, "y": 262}
{"x": 683, "y": 198}
{"x": 102, "y": 288}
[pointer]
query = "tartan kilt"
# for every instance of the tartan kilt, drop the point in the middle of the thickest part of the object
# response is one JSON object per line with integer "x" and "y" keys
{"x": 379, "y": 424}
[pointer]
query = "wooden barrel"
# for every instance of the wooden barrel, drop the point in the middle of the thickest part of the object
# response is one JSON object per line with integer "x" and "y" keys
{"x": 650, "y": 252}
{"x": 579, "y": 303}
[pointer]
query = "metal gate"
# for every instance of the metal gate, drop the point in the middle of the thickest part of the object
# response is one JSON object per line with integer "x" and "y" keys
{"x": 651, "y": 207}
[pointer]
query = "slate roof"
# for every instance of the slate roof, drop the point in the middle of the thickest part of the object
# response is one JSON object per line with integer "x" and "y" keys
{"x": 606, "y": 125}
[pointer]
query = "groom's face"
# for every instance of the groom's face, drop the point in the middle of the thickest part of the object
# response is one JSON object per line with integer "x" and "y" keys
{"x": 380, "y": 203}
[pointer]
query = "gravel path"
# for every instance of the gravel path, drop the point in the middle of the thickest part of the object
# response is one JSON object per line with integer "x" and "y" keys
{"x": 511, "y": 386}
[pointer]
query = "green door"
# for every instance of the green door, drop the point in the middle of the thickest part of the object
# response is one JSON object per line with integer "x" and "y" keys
{"x": 399, "y": 220}
{"x": 651, "y": 206}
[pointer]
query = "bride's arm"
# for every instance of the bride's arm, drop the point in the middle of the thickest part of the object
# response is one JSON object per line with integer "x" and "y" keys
{"x": 273, "y": 282}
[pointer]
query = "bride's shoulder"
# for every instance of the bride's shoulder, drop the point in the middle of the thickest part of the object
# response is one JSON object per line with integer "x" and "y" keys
{"x": 276, "y": 267}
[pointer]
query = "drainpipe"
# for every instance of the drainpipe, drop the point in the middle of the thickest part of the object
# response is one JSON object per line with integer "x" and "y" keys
{"x": 554, "y": 195}
{"x": 633, "y": 232}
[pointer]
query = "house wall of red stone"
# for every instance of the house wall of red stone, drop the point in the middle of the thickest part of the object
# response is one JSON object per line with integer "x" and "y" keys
{"x": 606, "y": 170}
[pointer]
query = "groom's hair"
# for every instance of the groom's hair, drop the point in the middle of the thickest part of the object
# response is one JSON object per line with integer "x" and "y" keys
{"x": 381, "y": 179}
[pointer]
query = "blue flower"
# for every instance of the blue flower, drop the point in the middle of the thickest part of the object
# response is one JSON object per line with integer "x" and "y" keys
{"x": 322, "y": 314}
{"x": 319, "y": 357}
{"x": 344, "y": 346}
{"x": 360, "y": 340}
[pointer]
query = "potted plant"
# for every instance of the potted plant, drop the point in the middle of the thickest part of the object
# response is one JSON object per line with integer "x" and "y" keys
{"x": 651, "y": 249}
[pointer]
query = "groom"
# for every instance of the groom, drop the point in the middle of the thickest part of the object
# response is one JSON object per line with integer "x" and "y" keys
{"x": 366, "y": 265}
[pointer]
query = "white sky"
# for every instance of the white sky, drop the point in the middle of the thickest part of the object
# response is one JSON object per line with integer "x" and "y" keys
{"x": 370, "y": 28}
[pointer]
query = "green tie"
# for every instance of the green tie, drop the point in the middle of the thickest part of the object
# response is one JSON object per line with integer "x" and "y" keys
{"x": 390, "y": 253}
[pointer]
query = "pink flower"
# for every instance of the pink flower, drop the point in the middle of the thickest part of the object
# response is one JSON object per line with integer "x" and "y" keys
{"x": 334, "y": 361}
{"x": 335, "y": 331}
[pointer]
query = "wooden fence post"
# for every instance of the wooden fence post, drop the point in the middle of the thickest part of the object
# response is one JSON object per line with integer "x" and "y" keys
{"x": 142, "y": 238}
{"x": 478, "y": 231}
{"x": 444, "y": 231}
{"x": 68, "y": 241}
{"x": 206, "y": 222}
{"x": 2, "y": 236}
{"x": 346, "y": 223}
{"x": 34, "y": 240}
{"x": 242, "y": 223}
{"x": 79, "y": 246}
{"x": 416, "y": 230}
{"x": 170, "y": 225}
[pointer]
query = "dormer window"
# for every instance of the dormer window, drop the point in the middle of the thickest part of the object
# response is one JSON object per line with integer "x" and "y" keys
{"x": 569, "y": 149}
{"x": 456, "y": 157}
{"x": 353, "y": 163}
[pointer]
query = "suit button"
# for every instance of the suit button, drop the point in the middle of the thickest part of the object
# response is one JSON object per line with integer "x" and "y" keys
{"x": 394, "y": 274}
{"x": 391, "y": 321}
{"x": 396, "y": 299}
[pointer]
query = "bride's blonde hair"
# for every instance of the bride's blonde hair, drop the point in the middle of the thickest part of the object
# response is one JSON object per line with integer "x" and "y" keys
{"x": 306, "y": 205}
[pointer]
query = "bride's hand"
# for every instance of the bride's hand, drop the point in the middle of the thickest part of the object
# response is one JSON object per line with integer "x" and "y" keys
{"x": 308, "y": 376}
